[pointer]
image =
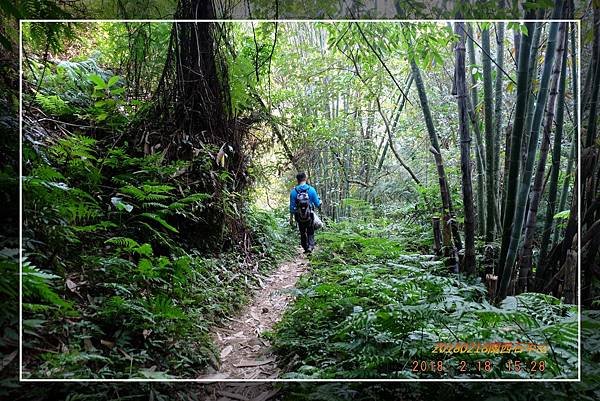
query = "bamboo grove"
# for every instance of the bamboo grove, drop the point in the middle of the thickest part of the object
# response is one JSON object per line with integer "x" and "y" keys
{"x": 399, "y": 128}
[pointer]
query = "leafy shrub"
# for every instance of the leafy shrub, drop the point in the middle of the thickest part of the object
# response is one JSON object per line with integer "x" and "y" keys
{"x": 82, "y": 90}
{"x": 270, "y": 232}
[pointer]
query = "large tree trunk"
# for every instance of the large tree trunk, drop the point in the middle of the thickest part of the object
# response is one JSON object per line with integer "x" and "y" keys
{"x": 192, "y": 119}
{"x": 538, "y": 182}
{"x": 202, "y": 98}
{"x": 469, "y": 265}
{"x": 515, "y": 143}
{"x": 448, "y": 212}
{"x": 510, "y": 245}
{"x": 490, "y": 148}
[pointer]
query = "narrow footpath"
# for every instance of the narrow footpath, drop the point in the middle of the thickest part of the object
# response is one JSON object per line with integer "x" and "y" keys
{"x": 245, "y": 354}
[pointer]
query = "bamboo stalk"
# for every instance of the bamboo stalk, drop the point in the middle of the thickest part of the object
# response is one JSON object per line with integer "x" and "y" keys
{"x": 515, "y": 143}
{"x": 595, "y": 88}
{"x": 448, "y": 211}
{"x": 472, "y": 104}
{"x": 469, "y": 265}
{"x": 574, "y": 134}
{"x": 536, "y": 190}
{"x": 498, "y": 109}
{"x": 556, "y": 156}
{"x": 510, "y": 245}
{"x": 533, "y": 72}
{"x": 490, "y": 147}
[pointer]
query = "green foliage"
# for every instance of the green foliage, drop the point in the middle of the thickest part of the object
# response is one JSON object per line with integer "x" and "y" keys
{"x": 108, "y": 101}
{"x": 561, "y": 219}
{"x": 121, "y": 274}
{"x": 270, "y": 233}
{"x": 249, "y": 64}
{"x": 360, "y": 207}
{"x": 105, "y": 226}
{"x": 81, "y": 90}
{"x": 242, "y": 80}
{"x": 367, "y": 310}
{"x": 41, "y": 37}
{"x": 53, "y": 105}
{"x": 67, "y": 79}
{"x": 9, "y": 319}
{"x": 37, "y": 287}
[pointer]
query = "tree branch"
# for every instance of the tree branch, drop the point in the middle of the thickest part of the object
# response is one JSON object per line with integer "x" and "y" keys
{"x": 382, "y": 62}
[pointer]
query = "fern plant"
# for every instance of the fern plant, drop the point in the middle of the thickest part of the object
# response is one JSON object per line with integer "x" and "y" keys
{"x": 367, "y": 310}
{"x": 37, "y": 288}
{"x": 53, "y": 105}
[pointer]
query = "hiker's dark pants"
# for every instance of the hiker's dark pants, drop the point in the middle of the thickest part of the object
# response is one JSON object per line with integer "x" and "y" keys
{"x": 307, "y": 234}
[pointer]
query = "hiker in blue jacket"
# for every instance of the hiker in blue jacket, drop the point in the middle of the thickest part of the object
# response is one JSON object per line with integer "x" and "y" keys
{"x": 303, "y": 199}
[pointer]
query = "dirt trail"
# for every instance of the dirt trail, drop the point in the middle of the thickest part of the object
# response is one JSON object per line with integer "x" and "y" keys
{"x": 244, "y": 353}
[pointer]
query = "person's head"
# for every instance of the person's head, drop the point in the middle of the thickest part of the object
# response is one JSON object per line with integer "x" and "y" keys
{"x": 301, "y": 177}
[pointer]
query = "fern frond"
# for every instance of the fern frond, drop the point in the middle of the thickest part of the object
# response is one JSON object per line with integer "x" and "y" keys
{"x": 133, "y": 192}
{"x": 157, "y": 189}
{"x": 154, "y": 205}
{"x": 124, "y": 242}
{"x": 160, "y": 220}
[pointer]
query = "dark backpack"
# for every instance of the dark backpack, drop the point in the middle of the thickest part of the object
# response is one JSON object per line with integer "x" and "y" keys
{"x": 303, "y": 211}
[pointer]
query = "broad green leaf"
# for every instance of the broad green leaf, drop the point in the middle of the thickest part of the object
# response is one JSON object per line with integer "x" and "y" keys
{"x": 97, "y": 80}
{"x": 113, "y": 80}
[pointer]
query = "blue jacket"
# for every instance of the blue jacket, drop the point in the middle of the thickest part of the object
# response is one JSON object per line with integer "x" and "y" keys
{"x": 312, "y": 194}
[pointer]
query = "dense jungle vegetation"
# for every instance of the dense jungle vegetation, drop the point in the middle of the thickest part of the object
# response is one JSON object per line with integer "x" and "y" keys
{"x": 158, "y": 157}
{"x": 142, "y": 197}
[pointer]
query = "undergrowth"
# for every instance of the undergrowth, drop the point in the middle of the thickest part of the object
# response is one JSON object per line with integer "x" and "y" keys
{"x": 368, "y": 310}
{"x": 116, "y": 284}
